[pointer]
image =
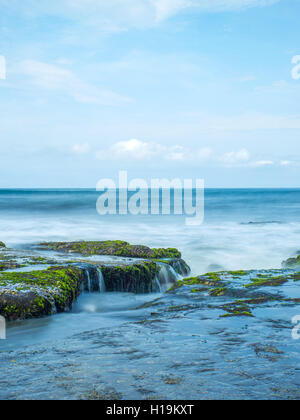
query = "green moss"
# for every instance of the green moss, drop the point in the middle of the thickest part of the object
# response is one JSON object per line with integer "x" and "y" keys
{"x": 36, "y": 293}
{"x": 240, "y": 273}
{"x": 10, "y": 265}
{"x": 198, "y": 290}
{"x": 213, "y": 276}
{"x": 237, "y": 308}
{"x": 267, "y": 281}
{"x": 237, "y": 313}
{"x": 115, "y": 248}
{"x": 219, "y": 291}
{"x": 2, "y": 245}
{"x": 136, "y": 278}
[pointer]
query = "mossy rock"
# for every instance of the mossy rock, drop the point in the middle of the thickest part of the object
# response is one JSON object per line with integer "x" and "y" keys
{"x": 2, "y": 245}
{"x": 136, "y": 278}
{"x": 10, "y": 265}
{"x": 44, "y": 292}
{"x": 113, "y": 248}
{"x": 268, "y": 281}
{"x": 38, "y": 293}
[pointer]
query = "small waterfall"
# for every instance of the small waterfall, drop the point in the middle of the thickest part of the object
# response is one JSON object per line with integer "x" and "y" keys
{"x": 158, "y": 284}
{"x": 181, "y": 268}
{"x": 101, "y": 281}
{"x": 167, "y": 277}
{"x": 89, "y": 283}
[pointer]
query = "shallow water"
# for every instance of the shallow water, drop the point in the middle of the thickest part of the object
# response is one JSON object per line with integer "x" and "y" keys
{"x": 121, "y": 347}
{"x": 135, "y": 346}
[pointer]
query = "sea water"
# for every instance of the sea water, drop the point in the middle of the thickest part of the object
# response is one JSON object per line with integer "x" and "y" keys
{"x": 109, "y": 341}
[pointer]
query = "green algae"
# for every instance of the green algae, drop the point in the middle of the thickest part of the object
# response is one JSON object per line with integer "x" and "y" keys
{"x": 267, "y": 281}
{"x": 113, "y": 248}
{"x": 136, "y": 278}
{"x": 237, "y": 313}
{"x": 219, "y": 291}
{"x": 10, "y": 265}
{"x": 235, "y": 309}
{"x": 31, "y": 294}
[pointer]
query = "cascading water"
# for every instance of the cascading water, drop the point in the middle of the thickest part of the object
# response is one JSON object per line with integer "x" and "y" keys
{"x": 89, "y": 283}
{"x": 158, "y": 284}
{"x": 167, "y": 277}
{"x": 101, "y": 281}
{"x": 180, "y": 268}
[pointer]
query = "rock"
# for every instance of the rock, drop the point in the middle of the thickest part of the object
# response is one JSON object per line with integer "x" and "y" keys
{"x": 38, "y": 293}
{"x": 113, "y": 248}
{"x": 9, "y": 265}
{"x": 240, "y": 292}
{"x": 292, "y": 262}
{"x": 136, "y": 278}
{"x": 28, "y": 294}
{"x": 2, "y": 245}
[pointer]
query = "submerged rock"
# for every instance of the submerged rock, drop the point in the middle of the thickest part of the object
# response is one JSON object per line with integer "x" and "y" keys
{"x": 113, "y": 248}
{"x": 9, "y": 265}
{"x": 27, "y": 294}
{"x": 241, "y": 292}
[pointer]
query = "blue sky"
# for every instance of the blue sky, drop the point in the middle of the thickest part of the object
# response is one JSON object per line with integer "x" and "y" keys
{"x": 160, "y": 88}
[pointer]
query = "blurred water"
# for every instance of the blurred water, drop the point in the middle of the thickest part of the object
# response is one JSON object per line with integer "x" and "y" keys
{"x": 138, "y": 345}
{"x": 242, "y": 228}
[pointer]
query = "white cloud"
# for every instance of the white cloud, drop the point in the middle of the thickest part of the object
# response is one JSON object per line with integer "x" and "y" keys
{"x": 54, "y": 78}
{"x": 140, "y": 151}
{"x": 81, "y": 149}
{"x": 261, "y": 163}
{"x": 242, "y": 158}
{"x": 135, "y": 149}
{"x": 286, "y": 163}
{"x": 238, "y": 157}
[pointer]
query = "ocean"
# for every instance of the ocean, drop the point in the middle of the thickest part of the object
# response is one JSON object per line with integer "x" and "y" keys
{"x": 242, "y": 229}
{"x": 178, "y": 345}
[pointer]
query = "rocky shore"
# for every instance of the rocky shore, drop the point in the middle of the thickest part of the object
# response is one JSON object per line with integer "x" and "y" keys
{"x": 225, "y": 334}
{"x": 51, "y": 278}
{"x": 36, "y": 285}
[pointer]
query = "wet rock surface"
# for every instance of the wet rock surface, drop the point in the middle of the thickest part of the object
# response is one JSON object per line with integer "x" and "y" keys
{"x": 38, "y": 285}
{"x": 225, "y": 335}
{"x": 114, "y": 248}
